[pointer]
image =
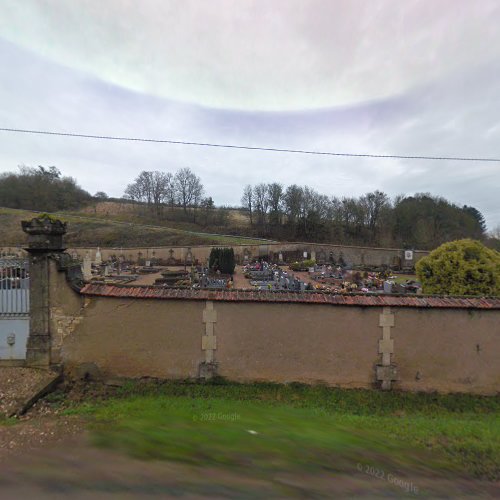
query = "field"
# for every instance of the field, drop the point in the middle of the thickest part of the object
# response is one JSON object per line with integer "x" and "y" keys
{"x": 115, "y": 230}
{"x": 124, "y": 211}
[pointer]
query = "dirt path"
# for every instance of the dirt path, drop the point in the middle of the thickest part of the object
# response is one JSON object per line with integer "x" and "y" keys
{"x": 18, "y": 384}
{"x": 239, "y": 280}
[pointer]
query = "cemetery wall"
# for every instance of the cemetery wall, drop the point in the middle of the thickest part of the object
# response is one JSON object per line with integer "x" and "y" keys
{"x": 144, "y": 338}
{"x": 124, "y": 332}
{"x": 290, "y": 251}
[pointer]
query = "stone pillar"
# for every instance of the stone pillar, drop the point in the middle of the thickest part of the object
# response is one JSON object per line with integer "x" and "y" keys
{"x": 386, "y": 371}
{"x": 45, "y": 238}
{"x": 208, "y": 368}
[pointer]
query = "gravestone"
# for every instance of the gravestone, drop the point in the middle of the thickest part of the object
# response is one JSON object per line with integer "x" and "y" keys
{"x": 98, "y": 257}
{"x": 87, "y": 267}
{"x": 171, "y": 260}
{"x": 189, "y": 257}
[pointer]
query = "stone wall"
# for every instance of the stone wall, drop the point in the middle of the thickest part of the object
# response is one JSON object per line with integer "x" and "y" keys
{"x": 66, "y": 310}
{"x": 415, "y": 343}
{"x": 410, "y": 348}
{"x": 370, "y": 256}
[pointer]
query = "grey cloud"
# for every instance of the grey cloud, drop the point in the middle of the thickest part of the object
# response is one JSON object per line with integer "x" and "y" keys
{"x": 456, "y": 115}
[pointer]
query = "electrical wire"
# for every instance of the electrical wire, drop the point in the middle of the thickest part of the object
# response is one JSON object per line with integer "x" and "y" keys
{"x": 251, "y": 148}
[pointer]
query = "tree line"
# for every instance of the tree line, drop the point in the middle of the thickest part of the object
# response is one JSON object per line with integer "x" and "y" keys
{"x": 301, "y": 213}
{"x": 41, "y": 188}
{"x": 159, "y": 191}
{"x": 293, "y": 213}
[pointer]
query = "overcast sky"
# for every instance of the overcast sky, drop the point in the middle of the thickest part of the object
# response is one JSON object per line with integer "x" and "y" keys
{"x": 372, "y": 76}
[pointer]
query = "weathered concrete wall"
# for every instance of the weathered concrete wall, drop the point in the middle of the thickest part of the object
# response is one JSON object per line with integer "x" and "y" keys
{"x": 338, "y": 345}
{"x": 297, "y": 342}
{"x": 352, "y": 255}
{"x": 134, "y": 338}
{"x": 447, "y": 350}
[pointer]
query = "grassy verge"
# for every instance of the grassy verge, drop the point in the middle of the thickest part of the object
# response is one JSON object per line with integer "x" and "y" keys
{"x": 276, "y": 427}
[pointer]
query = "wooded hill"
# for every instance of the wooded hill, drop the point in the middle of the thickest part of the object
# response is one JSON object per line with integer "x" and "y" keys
{"x": 271, "y": 211}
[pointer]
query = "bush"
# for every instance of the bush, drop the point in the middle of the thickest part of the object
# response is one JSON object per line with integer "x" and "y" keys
{"x": 222, "y": 259}
{"x": 462, "y": 267}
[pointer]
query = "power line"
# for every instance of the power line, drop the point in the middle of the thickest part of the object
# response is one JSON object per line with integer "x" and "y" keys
{"x": 251, "y": 148}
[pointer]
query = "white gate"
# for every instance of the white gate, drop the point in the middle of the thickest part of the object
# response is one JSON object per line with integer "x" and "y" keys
{"x": 14, "y": 308}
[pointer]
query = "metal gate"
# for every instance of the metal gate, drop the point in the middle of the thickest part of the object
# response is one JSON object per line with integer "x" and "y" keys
{"x": 14, "y": 308}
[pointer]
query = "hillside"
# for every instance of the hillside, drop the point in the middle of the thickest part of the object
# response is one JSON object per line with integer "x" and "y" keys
{"x": 222, "y": 221}
{"x": 110, "y": 227}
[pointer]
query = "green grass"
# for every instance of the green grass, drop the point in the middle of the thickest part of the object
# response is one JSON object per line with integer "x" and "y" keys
{"x": 6, "y": 420}
{"x": 299, "y": 427}
{"x": 142, "y": 222}
{"x": 402, "y": 278}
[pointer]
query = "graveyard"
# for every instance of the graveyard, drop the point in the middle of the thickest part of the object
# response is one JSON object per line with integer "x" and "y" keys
{"x": 296, "y": 276}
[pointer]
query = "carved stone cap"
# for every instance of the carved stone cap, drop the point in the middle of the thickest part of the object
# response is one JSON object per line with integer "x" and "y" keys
{"x": 45, "y": 234}
{"x": 44, "y": 224}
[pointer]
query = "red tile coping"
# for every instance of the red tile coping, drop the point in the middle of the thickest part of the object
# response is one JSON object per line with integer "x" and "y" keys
{"x": 375, "y": 300}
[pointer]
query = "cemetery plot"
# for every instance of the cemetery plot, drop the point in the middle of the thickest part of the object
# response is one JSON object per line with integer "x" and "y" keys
{"x": 301, "y": 276}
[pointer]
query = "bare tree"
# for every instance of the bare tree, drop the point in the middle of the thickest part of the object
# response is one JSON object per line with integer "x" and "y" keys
{"x": 188, "y": 187}
{"x": 374, "y": 205}
{"x": 261, "y": 203}
{"x": 159, "y": 185}
{"x": 170, "y": 193}
{"x": 150, "y": 188}
{"x": 247, "y": 201}
{"x": 293, "y": 201}
{"x": 275, "y": 196}
{"x": 133, "y": 192}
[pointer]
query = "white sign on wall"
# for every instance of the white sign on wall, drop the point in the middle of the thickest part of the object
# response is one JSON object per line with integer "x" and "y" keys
{"x": 408, "y": 254}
